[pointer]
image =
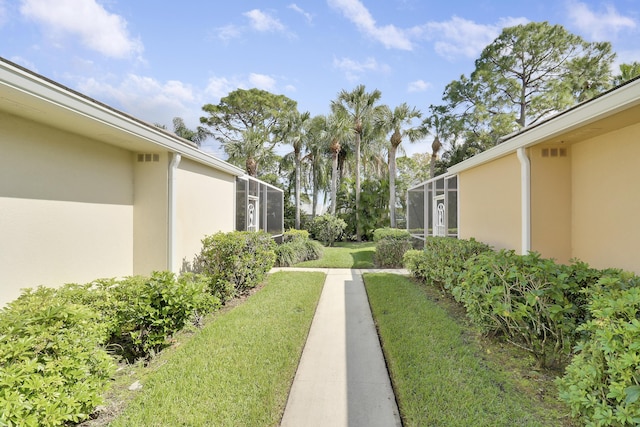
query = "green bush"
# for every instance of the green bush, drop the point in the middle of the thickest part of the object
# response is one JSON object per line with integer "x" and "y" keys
{"x": 442, "y": 260}
{"x": 235, "y": 262}
{"x": 390, "y": 233}
{"x": 533, "y": 302}
{"x": 297, "y": 247}
{"x": 602, "y": 383}
{"x": 153, "y": 308}
{"x": 327, "y": 228}
{"x": 391, "y": 245}
{"x": 53, "y": 369}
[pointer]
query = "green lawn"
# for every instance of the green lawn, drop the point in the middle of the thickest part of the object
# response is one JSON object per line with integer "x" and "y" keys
{"x": 440, "y": 374}
{"x": 238, "y": 370}
{"x": 344, "y": 255}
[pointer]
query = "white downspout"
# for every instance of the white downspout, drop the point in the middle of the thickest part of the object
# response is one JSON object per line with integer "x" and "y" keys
{"x": 171, "y": 232}
{"x": 525, "y": 185}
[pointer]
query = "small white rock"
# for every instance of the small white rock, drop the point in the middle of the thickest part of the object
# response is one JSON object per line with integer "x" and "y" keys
{"x": 136, "y": 386}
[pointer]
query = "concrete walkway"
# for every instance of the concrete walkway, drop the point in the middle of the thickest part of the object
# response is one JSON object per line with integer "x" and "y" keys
{"x": 342, "y": 378}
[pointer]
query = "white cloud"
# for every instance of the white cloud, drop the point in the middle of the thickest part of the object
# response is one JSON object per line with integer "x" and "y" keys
{"x": 301, "y": 11}
{"x": 598, "y": 25}
{"x": 418, "y": 86}
{"x": 354, "y": 69}
{"x": 228, "y": 32}
{"x": 460, "y": 37}
{"x": 262, "y": 81}
{"x": 148, "y": 98}
{"x": 389, "y": 35}
{"x": 95, "y": 27}
{"x": 263, "y": 22}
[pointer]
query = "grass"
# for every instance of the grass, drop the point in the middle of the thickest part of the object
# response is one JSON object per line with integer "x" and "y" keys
{"x": 344, "y": 255}
{"x": 238, "y": 370}
{"x": 441, "y": 373}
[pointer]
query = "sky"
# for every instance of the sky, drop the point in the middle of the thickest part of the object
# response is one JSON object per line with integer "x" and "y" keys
{"x": 160, "y": 59}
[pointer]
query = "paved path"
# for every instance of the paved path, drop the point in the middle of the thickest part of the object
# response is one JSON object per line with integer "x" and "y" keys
{"x": 342, "y": 378}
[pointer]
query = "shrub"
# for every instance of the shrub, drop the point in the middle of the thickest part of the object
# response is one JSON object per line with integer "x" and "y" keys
{"x": 53, "y": 369}
{"x": 442, "y": 260}
{"x": 390, "y": 233}
{"x": 533, "y": 302}
{"x": 297, "y": 247}
{"x": 235, "y": 262}
{"x": 327, "y": 228}
{"x": 391, "y": 245}
{"x": 601, "y": 385}
{"x": 153, "y": 308}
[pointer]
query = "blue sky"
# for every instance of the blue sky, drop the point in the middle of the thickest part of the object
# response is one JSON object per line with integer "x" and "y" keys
{"x": 157, "y": 60}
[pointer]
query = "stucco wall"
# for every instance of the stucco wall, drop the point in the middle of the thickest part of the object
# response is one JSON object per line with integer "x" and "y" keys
{"x": 150, "y": 218}
{"x": 205, "y": 201}
{"x": 489, "y": 197}
{"x": 551, "y": 201}
{"x": 606, "y": 200}
{"x": 66, "y": 208}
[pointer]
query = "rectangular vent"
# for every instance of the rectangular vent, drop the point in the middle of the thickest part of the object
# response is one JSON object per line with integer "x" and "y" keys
{"x": 147, "y": 157}
{"x": 554, "y": 152}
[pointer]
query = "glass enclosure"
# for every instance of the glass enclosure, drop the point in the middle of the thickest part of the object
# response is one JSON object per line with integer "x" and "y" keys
{"x": 259, "y": 206}
{"x": 432, "y": 208}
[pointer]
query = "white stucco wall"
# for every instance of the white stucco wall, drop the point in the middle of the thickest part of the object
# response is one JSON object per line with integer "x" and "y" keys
{"x": 66, "y": 208}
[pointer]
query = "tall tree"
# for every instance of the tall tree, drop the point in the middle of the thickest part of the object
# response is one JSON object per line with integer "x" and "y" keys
{"x": 526, "y": 74}
{"x": 360, "y": 106}
{"x": 318, "y": 151}
{"x": 293, "y": 131}
{"x": 338, "y": 130}
{"x": 398, "y": 122}
{"x": 253, "y": 112}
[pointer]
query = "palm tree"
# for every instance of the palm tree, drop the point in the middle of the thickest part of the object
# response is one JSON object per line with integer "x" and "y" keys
{"x": 338, "y": 130}
{"x": 318, "y": 148}
{"x": 293, "y": 131}
{"x": 360, "y": 106}
{"x": 250, "y": 150}
{"x": 196, "y": 136}
{"x": 398, "y": 121}
{"x": 443, "y": 125}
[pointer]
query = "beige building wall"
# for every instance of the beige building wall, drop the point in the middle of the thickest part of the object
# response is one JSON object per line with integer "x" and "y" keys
{"x": 66, "y": 205}
{"x": 205, "y": 200}
{"x": 489, "y": 197}
{"x": 606, "y": 200}
{"x": 551, "y": 201}
{"x": 151, "y": 212}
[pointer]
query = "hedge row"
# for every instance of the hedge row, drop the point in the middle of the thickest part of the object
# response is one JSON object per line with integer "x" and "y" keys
{"x": 562, "y": 314}
{"x": 391, "y": 245}
{"x": 58, "y": 346}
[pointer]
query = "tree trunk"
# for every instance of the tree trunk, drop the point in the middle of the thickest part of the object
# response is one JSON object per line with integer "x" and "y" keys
{"x": 334, "y": 181}
{"x": 297, "y": 160}
{"x": 392, "y": 185}
{"x": 358, "y": 233}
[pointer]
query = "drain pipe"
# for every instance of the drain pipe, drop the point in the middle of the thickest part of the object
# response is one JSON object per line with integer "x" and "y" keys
{"x": 171, "y": 231}
{"x": 525, "y": 199}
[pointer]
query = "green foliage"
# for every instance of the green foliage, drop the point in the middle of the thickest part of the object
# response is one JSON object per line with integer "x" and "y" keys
{"x": 533, "y": 302}
{"x": 391, "y": 245}
{"x": 327, "y": 228}
{"x": 236, "y": 261}
{"x": 442, "y": 261}
{"x": 297, "y": 247}
{"x": 390, "y": 233}
{"x": 153, "y": 308}
{"x": 390, "y": 252}
{"x": 602, "y": 383}
{"x": 53, "y": 369}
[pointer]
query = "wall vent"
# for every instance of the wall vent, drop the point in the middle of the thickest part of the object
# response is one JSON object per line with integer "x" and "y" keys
{"x": 147, "y": 157}
{"x": 554, "y": 152}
